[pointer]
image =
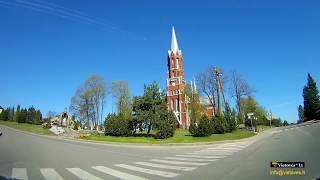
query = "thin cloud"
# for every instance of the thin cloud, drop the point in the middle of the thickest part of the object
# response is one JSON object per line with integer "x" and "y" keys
{"x": 60, "y": 11}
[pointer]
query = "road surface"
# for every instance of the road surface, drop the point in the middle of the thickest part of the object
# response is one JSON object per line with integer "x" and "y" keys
{"x": 28, "y": 156}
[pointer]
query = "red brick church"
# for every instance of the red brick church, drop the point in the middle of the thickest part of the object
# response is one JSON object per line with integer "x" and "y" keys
{"x": 176, "y": 84}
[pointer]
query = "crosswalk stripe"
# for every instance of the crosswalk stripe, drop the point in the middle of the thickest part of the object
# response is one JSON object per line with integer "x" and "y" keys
{"x": 286, "y": 129}
{"x": 198, "y": 156}
{"x": 178, "y": 162}
{"x": 191, "y": 159}
{"x": 147, "y": 171}
{"x": 232, "y": 145}
{"x": 220, "y": 150}
{"x": 238, "y": 143}
{"x": 226, "y": 148}
{"x": 211, "y": 153}
{"x": 118, "y": 174}
{"x": 84, "y": 175}
{"x": 181, "y": 168}
{"x": 50, "y": 174}
{"x": 19, "y": 173}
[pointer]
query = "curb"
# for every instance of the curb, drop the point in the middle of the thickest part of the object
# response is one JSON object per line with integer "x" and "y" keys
{"x": 119, "y": 144}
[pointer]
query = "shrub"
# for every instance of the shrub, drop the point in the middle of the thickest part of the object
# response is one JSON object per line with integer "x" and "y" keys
{"x": 230, "y": 120}
{"x": 202, "y": 129}
{"x": 219, "y": 124}
{"x": 117, "y": 125}
{"x": 166, "y": 125}
{"x": 76, "y": 125}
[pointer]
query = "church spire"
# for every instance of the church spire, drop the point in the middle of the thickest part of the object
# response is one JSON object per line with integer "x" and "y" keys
{"x": 174, "y": 43}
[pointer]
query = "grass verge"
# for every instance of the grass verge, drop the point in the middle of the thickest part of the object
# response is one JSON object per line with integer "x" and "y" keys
{"x": 180, "y": 136}
{"x": 38, "y": 129}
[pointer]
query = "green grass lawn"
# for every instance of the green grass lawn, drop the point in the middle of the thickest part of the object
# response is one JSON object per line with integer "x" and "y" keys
{"x": 38, "y": 129}
{"x": 180, "y": 136}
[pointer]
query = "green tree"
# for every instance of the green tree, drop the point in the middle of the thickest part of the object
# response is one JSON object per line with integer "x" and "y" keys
{"x": 11, "y": 114}
{"x": 166, "y": 124}
{"x": 202, "y": 128}
{"x": 276, "y": 122}
{"x": 37, "y": 118}
{"x": 230, "y": 118}
{"x": 285, "y": 123}
{"x": 117, "y": 125}
{"x": 148, "y": 108}
{"x": 311, "y": 100}
{"x": 120, "y": 90}
{"x": 195, "y": 109}
{"x": 23, "y": 116}
{"x": 250, "y": 105}
{"x": 5, "y": 114}
{"x": 17, "y": 113}
{"x": 30, "y": 115}
{"x": 300, "y": 114}
{"x": 219, "y": 124}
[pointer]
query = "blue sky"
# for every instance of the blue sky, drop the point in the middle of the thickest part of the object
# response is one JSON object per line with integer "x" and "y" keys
{"x": 48, "y": 48}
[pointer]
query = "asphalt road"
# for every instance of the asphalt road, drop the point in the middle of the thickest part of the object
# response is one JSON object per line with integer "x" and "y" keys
{"x": 28, "y": 156}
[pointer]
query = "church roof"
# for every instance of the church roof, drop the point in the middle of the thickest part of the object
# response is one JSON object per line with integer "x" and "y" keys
{"x": 204, "y": 101}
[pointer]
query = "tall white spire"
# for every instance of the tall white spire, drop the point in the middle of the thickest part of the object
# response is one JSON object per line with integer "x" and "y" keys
{"x": 174, "y": 43}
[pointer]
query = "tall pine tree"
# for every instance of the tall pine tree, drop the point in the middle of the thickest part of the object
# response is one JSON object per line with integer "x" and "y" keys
{"x": 311, "y": 99}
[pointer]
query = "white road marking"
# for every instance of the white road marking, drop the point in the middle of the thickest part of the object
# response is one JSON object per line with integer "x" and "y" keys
{"x": 286, "y": 129}
{"x": 178, "y": 162}
{"x": 19, "y": 173}
{"x": 181, "y": 168}
{"x": 50, "y": 174}
{"x": 198, "y": 156}
{"x": 191, "y": 159}
{"x": 210, "y": 153}
{"x": 233, "y": 145}
{"x": 118, "y": 174}
{"x": 148, "y": 171}
{"x": 84, "y": 175}
{"x": 220, "y": 150}
{"x": 226, "y": 148}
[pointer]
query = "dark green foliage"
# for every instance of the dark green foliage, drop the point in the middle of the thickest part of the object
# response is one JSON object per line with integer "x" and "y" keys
{"x": 311, "y": 100}
{"x": 117, "y": 125}
{"x": 230, "y": 119}
{"x": 219, "y": 124}
{"x": 76, "y": 125}
{"x": 201, "y": 129}
{"x": 23, "y": 116}
{"x": 4, "y": 116}
{"x": 31, "y": 115}
{"x": 147, "y": 108}
{"x": 166, "y": 125}
{"x": 285, "y": 123}
{"x": 276, "y": 122}
{"x": 300, "y": 114}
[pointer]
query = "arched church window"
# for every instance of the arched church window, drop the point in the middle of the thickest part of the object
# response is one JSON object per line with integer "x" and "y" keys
{"x": 177, "y": 105}
{"x": 177, "y": 64}
{"x": 172, "y": 105}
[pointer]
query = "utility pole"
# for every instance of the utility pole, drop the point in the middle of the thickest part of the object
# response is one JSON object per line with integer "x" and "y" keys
{"x": 217, "y": 75}
{"x": 270, "y": 118}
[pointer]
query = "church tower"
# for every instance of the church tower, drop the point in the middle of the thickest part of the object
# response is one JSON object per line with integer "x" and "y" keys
{"x": 176, "y": 83}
